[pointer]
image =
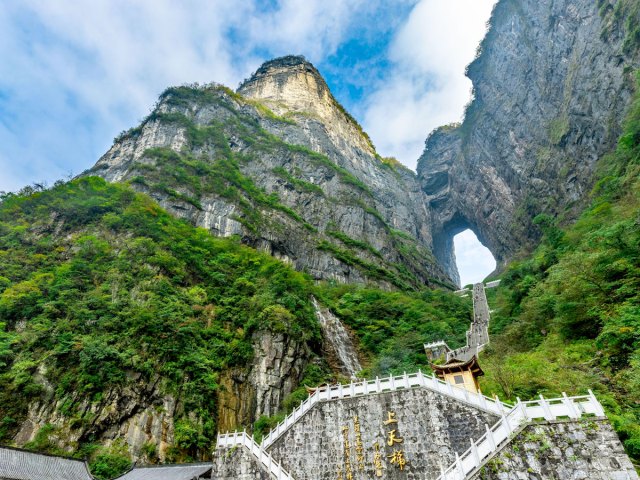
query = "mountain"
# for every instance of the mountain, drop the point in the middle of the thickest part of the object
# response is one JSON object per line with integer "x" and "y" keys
{"x": 126, "y": 333}
{"x": 544, "y": 168}
{"x": 283, "y": 165}
{"x": 182, "y": 285}
{"x": 551, "y": 84}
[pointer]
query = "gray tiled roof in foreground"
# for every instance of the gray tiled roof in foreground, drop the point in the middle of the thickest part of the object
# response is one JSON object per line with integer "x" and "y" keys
{"x": 169, "y": 472}
{"x": 18, "y": 464}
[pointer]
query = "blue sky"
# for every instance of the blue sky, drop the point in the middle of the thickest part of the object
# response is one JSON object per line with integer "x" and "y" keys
{"x": 76, "y": 73}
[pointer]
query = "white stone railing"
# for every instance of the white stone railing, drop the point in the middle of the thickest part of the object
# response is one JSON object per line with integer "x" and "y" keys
{"x": 242, "y": 439}
{"x": 491, "y": 284}
{"x": 390, "y": 384}
{"x": 521, "y": 414}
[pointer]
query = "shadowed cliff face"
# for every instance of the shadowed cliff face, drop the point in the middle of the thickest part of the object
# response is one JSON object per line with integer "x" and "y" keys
{"x": 281, "y": 164}
{"x": 550, "y": 89}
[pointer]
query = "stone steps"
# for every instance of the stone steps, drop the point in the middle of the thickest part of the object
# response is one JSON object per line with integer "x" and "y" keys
{"x": 258, "y": 451}
{"x": 498, "y": 436}
{"x": 389, "y": 384}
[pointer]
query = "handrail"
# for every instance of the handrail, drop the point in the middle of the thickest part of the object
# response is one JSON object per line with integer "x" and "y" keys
{"x": 389, "y": 384}
{"x": 511, "y": 417}
{"x": 521, "y": 414}
{"x": 242, "y": 439}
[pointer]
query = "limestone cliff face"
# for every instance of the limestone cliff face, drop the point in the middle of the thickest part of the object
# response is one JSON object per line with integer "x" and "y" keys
{"x": 551, "y": 86}
{"x": 248, "y": 393}
{"x": 325, "y": 201}
{"x": 141, "y": 413}
{"x": 291, "y": 86}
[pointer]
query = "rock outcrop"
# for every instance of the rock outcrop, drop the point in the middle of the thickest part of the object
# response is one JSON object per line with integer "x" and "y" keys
{"x": 259, "y": 389}
{"x": 281, "y": 164}
{"x": 551, "y": 85}
{"x": 139, "y": 413}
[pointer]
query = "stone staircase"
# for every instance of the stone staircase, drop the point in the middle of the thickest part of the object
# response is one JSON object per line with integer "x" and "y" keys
{"x": 512, "y": 418}
{"x": 378, "y": 385}
{"x": 519, "y": 416}
{"x": 243, "y": 440}
{"x": 478, "y": 333}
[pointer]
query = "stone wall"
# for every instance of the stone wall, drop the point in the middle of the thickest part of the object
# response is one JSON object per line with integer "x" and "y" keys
{"x": 563, "y": 450}
{"x": 432, "y": 428}
{"x": 237, "y": 463}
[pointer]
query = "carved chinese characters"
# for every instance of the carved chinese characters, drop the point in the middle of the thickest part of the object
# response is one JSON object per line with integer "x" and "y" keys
{"x": 385, "y": 451}
{"x": 397, "y": 457}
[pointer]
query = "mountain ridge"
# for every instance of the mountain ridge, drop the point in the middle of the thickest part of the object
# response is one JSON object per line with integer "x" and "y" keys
{"x": 307, "y": 184}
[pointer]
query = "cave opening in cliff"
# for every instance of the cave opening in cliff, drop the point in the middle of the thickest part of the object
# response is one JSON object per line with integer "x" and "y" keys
{"x": 473, "y": 259}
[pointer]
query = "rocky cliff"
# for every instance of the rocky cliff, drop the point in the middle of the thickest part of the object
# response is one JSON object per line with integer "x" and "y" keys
{"x": 551, "y": 84}
{"x": 281, "y": 164}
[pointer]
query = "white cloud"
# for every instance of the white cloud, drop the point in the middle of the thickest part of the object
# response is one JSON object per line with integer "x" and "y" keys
{"x": 314, "y": 27}
{"x": 474, "y": 260}
{"x": 83, "y": 71}
{"x": 425, "y": 86}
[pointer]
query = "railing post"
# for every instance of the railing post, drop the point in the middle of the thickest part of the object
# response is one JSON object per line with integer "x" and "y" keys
{"x": 406, "y": 380}
{"x": 490, "y": 439}
{"x": 482, "y": 400}
{"x": 420, "y": 378}
{"x": 596, "y": 404}
{"x": 523, "y": 410}
{"x": 459, "y": 467}
{"x": 507, "y": 424}
{"x": 365, "y": 386}
{"x": 352, "y": 389}
{"x": 568, "y": 403}
{"x": 393, "y": 383}
{"x": 548, "y": 414}
{"x": 377, "y": 384}
{"x": 340, "y": 390}
{"x": 474, "y": 452}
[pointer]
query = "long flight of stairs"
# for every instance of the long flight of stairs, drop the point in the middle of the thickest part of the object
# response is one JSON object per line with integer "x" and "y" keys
{"x": 512, "y": 418}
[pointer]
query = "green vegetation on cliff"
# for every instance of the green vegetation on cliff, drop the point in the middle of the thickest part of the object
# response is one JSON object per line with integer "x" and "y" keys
{"x": 568, "y": 318}
{"x": 392, "y": 327}
{"x": 100, "y": 288}
{"x": 106, "y": 297}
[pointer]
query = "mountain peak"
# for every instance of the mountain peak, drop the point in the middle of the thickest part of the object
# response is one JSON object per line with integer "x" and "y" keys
{"x": 281, "y": 65}
{"x": 289, "y": 81}
{"x": 291, "y": 84}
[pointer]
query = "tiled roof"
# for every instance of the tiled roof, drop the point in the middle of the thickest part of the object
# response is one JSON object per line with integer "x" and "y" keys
{"x": 458, "y": 365}
{"x": 18, "y": 464}
{"x": 169, "y": 472}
